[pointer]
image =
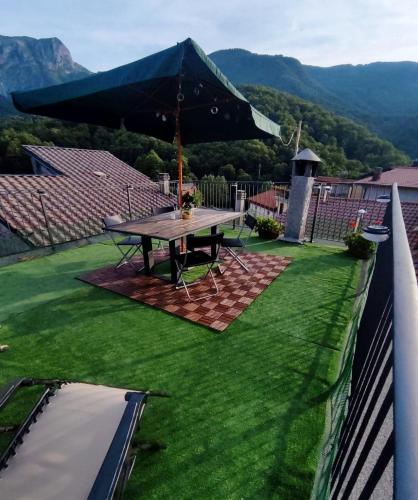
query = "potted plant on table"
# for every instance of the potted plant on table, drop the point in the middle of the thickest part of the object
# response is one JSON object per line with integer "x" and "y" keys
{"x": 190, "y": 200}
{"x": 269, "y": 228}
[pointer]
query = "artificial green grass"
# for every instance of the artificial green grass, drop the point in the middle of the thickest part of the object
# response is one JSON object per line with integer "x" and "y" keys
{"x": 247, "y": 411}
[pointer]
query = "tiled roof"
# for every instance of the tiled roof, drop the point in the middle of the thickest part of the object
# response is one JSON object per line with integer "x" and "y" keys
{"x": 404, "y": 176}
{"x": 333, "y": 180}
{"x": 269, "y": 199}
{"x": 335, "y": 216}
{"x": 77, "y": 199}
{"x": 266, "y": 199}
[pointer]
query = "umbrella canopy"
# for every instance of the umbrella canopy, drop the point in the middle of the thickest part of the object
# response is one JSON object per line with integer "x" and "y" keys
{"x": 176, "y": 94}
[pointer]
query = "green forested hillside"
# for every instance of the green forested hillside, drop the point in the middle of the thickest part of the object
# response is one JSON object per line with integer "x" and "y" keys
{"x": 382, "y": 95}
{"x": 346, "y": 148}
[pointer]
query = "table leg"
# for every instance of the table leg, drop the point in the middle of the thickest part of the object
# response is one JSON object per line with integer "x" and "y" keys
{"x": 173, "y": 267}
{"x": 148, "y": 255}
{"x": 213, "y": 230}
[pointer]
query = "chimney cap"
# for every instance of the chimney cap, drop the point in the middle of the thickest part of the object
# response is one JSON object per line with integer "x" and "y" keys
{"x": 307, "y": 155}
{"x": 377, "y": 174}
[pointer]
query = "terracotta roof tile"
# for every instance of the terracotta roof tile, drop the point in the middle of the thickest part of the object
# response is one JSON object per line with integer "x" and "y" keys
{"x": 404, "y": 176}
{"x": 76, "y": 199}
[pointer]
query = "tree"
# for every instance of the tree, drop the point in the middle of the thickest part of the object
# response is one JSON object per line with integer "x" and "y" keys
{"x": 150, "y": 164}
{"x": 243, "y": 176}
{"x": 227, "y": 171}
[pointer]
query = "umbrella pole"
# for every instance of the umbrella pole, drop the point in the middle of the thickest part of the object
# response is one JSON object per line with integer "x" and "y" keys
{"x": 180, "y": 168}
{"x": 179, "y": 157}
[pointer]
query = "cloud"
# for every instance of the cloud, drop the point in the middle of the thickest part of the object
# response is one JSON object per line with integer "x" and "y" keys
{"x": 106, "y": 33}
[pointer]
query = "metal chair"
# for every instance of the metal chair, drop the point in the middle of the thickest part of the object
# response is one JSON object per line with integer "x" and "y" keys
{"x": 91, "y": 428}
{"x": 196, "y": 257}
{"x": 128, "y": 246}
{"x": 250, "y": 222}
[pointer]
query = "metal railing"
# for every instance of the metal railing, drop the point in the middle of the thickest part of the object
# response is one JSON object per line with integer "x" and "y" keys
{"x": 405, "y": 303}
{"x": 260, "y": 196}
{"x": 371, "y": 447}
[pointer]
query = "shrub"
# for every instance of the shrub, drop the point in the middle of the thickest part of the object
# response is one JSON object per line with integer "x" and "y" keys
{"x": 358, "y": 246}
{"x": 268, "y": 228}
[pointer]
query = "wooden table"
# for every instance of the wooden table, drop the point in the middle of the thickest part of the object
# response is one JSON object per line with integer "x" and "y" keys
{"x": 171, "y": 227}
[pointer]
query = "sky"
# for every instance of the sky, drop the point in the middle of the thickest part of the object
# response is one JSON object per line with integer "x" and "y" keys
{"x": 102, "y": 34}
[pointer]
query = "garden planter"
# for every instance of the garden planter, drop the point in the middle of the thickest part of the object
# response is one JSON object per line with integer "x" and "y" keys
{"x": 187, "y": 213}
{"x": 267, "y": 235}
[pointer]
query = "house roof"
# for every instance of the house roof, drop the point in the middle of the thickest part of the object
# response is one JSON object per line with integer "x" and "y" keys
{"x": 267, "y": 199}
{"x": 77, "y": 198}
{"x": 404, "y": 176}
{"x": 333, "y": 180}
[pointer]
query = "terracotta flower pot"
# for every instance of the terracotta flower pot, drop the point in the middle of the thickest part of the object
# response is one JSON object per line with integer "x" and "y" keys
{"x": 186, "y": 213}
{"x": 268, "y": 235}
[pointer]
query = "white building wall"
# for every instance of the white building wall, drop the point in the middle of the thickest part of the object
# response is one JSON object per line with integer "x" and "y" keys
{"x": 261, "y": 211}
{"x": 405, "y": 194}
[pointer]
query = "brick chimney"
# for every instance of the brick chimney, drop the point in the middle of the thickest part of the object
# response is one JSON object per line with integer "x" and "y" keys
{"x": 377, "y": 174}
{"x": 305, "y": 164}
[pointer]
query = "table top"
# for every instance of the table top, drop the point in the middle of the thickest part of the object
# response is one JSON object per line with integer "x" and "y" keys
{"x": 170, "y": 226}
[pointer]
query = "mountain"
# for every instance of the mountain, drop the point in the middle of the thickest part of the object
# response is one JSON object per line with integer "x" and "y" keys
{"x": 27, "y": 63}
{"x": 347, "y": 148}
{"x": 383, "y": 96}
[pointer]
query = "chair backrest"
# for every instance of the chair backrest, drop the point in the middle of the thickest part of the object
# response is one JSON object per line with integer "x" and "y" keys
{"x": 194, "y": 242}
{"x": 112, "y": 220}
{"x": 250, "y": 221}
{"x": 162, "y": 210}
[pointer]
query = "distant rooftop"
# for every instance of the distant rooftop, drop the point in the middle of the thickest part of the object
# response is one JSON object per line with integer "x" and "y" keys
{"x": 404, "y": 176}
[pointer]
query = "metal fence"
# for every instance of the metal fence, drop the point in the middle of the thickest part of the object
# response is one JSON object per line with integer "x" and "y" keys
{"x": 337, "y": 209}
{"x": 371, "y": 448}
{"x": 223, "y": 195}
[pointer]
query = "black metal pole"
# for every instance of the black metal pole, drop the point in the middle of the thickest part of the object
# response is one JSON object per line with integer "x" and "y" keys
{"x": 128, "y": 194}
{"x": 315, "y": 213}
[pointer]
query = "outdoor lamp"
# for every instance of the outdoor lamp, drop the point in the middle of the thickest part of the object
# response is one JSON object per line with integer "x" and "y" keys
{"x": 376, "y": 233}
{"x": 383, "y": 198}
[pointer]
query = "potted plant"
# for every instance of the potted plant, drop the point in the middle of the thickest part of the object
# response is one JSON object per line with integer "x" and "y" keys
{"x": 268, "y": 228}
{"x": 189, "y": 201}
{"x": 359, "y": 247}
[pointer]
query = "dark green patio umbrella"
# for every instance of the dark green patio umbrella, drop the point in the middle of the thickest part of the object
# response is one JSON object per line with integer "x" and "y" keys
{"x": 177, "y": 94}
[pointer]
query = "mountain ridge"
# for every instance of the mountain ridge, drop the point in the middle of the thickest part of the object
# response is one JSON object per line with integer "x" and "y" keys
{"x": 381, "y": 95}
{"x": 27, "y": 63}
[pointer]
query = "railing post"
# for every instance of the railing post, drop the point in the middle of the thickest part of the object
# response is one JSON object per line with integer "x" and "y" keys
{"x": 315, "y": 213}
{"x": 233, "y": 195}
{"x": 41, "y": 194}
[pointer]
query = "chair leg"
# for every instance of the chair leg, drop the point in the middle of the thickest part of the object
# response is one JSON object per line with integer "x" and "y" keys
{"x": 236, "y": 257}
{"x": 186, "y": 287}
{"x": 128, "y": 256}
{"x": 181, "y": 280}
